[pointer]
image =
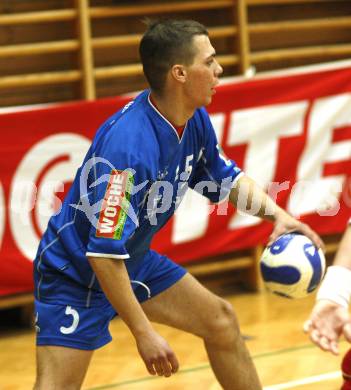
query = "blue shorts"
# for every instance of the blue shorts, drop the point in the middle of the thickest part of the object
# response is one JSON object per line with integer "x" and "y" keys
{"x": 77, "y": 325}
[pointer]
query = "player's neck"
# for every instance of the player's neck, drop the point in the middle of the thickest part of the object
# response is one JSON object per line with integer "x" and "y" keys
{"x": 172, "y": 108}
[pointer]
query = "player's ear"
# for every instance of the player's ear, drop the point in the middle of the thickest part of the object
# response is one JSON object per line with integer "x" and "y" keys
{"x": 179, "y": 73}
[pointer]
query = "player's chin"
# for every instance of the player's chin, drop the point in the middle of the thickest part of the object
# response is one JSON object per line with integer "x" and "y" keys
{"x": 208, "y": 100}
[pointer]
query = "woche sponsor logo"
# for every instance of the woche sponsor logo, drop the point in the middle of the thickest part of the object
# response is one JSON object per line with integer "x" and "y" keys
{"x": 115, "y": 205}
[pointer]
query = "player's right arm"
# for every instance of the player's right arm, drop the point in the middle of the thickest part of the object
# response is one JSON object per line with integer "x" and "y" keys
{"x": 117, "y": 186}
{"x": 330, "y": 316}
{"x": 154, "y": 350}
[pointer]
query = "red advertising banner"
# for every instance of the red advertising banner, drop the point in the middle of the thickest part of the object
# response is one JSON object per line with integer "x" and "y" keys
{"x": 291, "y": 132}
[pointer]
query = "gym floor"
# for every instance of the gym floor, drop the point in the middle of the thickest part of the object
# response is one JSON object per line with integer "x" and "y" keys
{"x": 283, "y": 355}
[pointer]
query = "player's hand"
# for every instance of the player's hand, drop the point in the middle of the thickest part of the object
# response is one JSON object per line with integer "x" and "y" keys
{"x": 285, "y": 223}
{"x": 328, "y": 321}
{"x": 157, "y": 354}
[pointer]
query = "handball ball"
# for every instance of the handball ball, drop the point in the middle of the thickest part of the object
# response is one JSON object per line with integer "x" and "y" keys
{"x": 292, "y": 266}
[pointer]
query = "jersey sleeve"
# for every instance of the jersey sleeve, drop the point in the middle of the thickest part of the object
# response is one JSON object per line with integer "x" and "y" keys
{"x": 120, "y": 181}
{"x": 215, "y": 174}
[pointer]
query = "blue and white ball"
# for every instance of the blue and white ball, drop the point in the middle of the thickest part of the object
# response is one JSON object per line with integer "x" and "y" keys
{"x": 292, "y": 266}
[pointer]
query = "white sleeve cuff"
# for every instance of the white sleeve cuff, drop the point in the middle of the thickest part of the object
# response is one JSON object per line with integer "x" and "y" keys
{"x": 237, "y": 178}
{"x": 108, "y": 255}
{"x": 336, "y": 286}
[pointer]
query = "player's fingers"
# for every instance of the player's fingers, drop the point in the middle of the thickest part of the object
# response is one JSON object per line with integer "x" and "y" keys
{"x": 166, "y": 368}
{"x": 307, "y": 231}
{"x": 314, "y": 336}
{"x": 275, "y": 234}
{"x": 334, "y": 347}
{"x": 317, "y": 241}
{"x": 278, "y": 231}
{"x": 324, "y": 343}
{"x": 150, "y": 368}
{"x": 272, "y": 238}
{"x": 173, "y": 361}
{"x": 307, "y": 326}
{"x": 270, "y": 241}
{"x": 158, "y": 367}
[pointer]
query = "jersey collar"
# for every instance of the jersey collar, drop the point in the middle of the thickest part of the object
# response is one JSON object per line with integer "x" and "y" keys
{"x": 173, "y": 129}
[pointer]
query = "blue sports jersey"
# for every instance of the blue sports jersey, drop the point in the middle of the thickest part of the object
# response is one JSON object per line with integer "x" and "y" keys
{"x": 131, "y": 181}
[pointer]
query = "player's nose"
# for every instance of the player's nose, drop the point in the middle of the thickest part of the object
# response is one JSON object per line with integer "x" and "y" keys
{"x": 219, "y": 70}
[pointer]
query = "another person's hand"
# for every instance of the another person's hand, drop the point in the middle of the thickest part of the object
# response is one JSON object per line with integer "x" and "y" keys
{"x": 328, "y": 321}
{"x": 157, "y": 354}
{"x": 285, "y": 223}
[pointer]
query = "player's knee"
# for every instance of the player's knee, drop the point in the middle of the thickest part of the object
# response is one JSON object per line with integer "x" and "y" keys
{"x": 223, "y": 327}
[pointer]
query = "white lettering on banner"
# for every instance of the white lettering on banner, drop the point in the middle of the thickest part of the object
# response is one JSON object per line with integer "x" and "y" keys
{"x": 262, "y": 128}
{"x": 29, "y": 170}
{"x": 313, "y": 192}
{"x": 2, "y": 214}
{"x": 191, "y": 217}
{"x": 23, "y": 200}
{"x": 46, "y": 201}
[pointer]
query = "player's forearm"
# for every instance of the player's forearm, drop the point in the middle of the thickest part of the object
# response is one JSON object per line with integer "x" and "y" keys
{"x": 114, "y": 281}
{"x": 343, "y": 255}
{"x": 336, "y": 285}
{"x": 249, "y": 198}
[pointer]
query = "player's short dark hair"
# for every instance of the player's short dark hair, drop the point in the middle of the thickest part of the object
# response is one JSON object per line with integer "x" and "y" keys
{"x": 166, "y": 43}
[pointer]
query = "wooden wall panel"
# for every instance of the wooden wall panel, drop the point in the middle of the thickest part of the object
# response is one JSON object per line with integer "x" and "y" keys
{"x": 297, "y": 10}
{"x": 16, "y": 6}
{"x": 37, "y": 64}
{"x": 94, "y": 45}
{"x": 35, "y": 94}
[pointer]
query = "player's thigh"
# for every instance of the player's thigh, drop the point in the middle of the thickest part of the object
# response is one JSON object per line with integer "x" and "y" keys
{"x": 66, "y": 337}
{"x": 189, "y": 306}
{"x": 61, "y": 368}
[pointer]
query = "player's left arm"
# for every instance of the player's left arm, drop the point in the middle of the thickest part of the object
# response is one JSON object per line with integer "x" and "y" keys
{"x": 343, "y": 257}
{"x": 247, "y": 195}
